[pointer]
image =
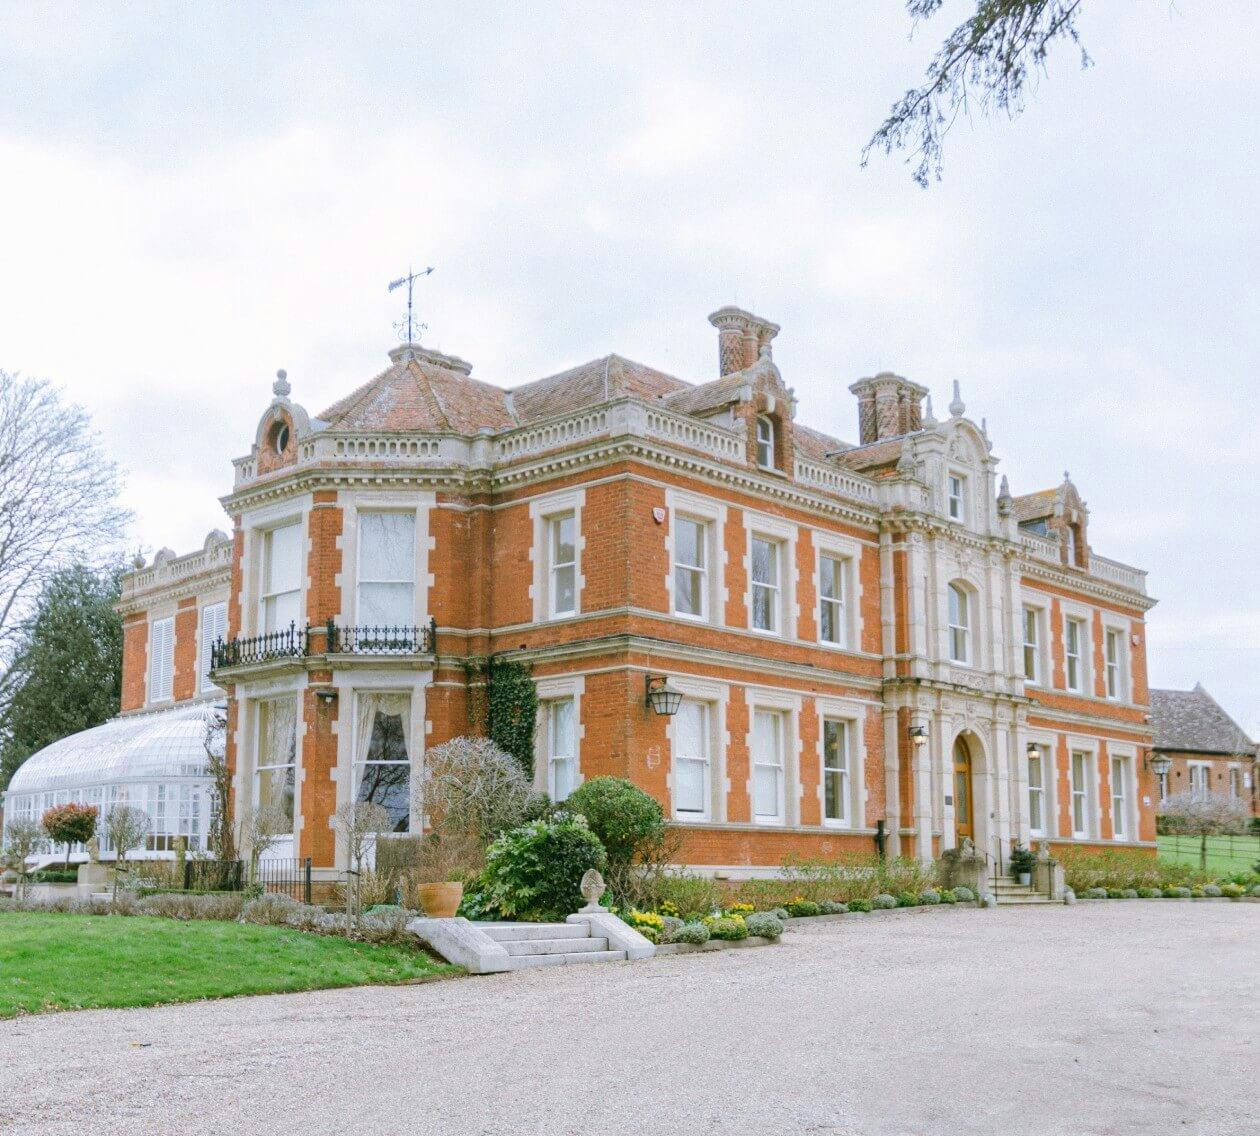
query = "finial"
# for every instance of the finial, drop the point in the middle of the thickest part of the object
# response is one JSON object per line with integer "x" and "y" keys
{"x": 905, "y": 463}
{"x": 929, "y": 419}
{"x": 137, "y": 561}
{"x": 1066, "y": 477}
{"x": 956, "y": 408}
{"x": 280, "y": 388}
{"x": 1005, "y": 502}
{"x": 984, "y": 427}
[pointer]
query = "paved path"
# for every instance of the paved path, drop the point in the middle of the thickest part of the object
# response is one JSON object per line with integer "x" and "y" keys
{"x": 1125, "y": 1017}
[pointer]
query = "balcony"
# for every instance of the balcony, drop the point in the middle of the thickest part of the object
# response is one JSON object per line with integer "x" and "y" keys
{"x": 322, "y": 640}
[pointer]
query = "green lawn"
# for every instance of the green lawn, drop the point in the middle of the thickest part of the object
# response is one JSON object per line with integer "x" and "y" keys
{"x": 1226, "y": 854}
{"x": 70, "y": 962}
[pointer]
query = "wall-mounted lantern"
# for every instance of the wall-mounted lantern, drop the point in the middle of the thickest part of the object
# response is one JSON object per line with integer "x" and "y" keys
{"x": 660, "y": 696}
{"x": 919, "y": 735}
{"x": 1159, "y": 764}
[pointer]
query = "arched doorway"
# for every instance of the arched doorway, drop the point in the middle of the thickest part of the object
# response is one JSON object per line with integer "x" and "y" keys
{"x": 964, "y": 801}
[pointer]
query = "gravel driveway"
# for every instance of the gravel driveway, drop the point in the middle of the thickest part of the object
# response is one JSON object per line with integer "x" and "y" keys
{"x": 1117, "y": 1017}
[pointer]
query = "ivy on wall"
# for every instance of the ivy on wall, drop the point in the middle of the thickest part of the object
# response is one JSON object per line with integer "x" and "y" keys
{"x": 511, "y": 703}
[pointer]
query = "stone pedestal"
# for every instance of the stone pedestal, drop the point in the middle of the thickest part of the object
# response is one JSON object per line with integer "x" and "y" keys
{"x": 94, "y": 878}
{"x": 1048, "y": 877}
{"x": 965, "y": 866}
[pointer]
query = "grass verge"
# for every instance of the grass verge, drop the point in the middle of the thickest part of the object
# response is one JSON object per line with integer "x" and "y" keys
{"x": 71, "y": 962}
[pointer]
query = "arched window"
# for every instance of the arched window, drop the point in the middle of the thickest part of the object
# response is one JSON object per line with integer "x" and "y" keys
{"x": 765, "y": 442}
{"x": 959, "y": 624}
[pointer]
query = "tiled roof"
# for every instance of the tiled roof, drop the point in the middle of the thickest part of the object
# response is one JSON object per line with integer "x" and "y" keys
{"x": 708, "y": 396}
{"x": 873, "y": 454}
{"x": 1034, "y": 506}
{"x": 814, "y": 443}
{"x": 589, "y": 384}
{"x": 1191, "y": 720}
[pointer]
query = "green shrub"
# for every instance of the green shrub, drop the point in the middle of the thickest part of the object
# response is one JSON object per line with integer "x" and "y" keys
{"x": 1095, "y": 893}
{"x": 764, "y": 924}
{"x": 1128, "y": 893}
{"x": 272, "y": 909}
{"x": 1120, "y": 868}
{"x": 801, "y": 908}
{"x": 964, "y": 895}
{"x": 728, "y": 928}
{"x": 948, "y": 896}
{"x": 696, "y": 934}
{"x": 1115, "y": 893}
{"x": 687, "y": 895}
{"x": 534, "y": 872}
{"x": 1212, "y": 891}
{"x": 859, "y": 905}
{"x": 930, "y": 897}
{"x": 907, "y": 899}
{"x": 1176, "y": 893}
{"x": 1149, "y": 893}
{"x": 884, "y": 902}
{"x": 1255, "y": 891}
{"x": 1232, "y": 891}
{"x": 830, "y": 907}
{"x": 54, "y": 876}
{"x": 1196, "y": 893}
{"x": 627, "y": 821}
{"x": 781, "y": 913}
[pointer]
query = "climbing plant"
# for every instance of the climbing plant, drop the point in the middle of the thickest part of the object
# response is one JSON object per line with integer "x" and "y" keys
{"x": 511, "y": 709}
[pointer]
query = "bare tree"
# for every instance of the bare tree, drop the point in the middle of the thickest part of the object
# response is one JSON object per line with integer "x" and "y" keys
{"x": 58, "y": 495}
{"x": 359, "y": 823}
{"x": 988, "y": 61}
{"x": 1204, "y": 815}
{"x": 22, "y": 839}
{"x": 263, "y": 828}
{"x": 127, "y": 828}
{"x": 214, "y": 739}
{"x": 471, "y": 787}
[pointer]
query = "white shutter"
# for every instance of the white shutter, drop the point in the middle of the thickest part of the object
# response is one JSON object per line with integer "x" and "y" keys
{"x": 162, "y": 659}
{"x": 213, "y": 628}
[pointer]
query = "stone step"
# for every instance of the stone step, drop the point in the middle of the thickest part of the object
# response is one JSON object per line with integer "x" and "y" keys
{"x": 521, "y": 962}
{"x": 501, "y": 932}
{"x": 1012, "y": 900}
{"x": 589, "y": 945}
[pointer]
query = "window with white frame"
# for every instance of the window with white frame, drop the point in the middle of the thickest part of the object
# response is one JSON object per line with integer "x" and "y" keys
{"x": 765, "y": 442}
{"x": 956, "y": 497}
{"x": 768, "y": 766}
{"x": 387, "y": 570}
{"x": 1235, "y": 782}
{"x": 275, "y": 777}
{"x": 836, "y": 772}
{"x": 1113, "y": 653}
{"x": 561, "y": 740}
{"x": 1080, "y": 789}
{"x": 281, "y": 577}
{"x": 1200, "y": 779}
{"x": 767, "y": 569}
{"x": 1073, "y": 651}
{"x": 213, "y": 630}
{"x": 1038, "y": 768}
{"x": 691, "y": 567}
{"x": 1119, "y": 797}
{"x": 161, "y": 659}
{"x": 1163, "y": 786}
{"x": 382, "y": 761}
{"x": 561, "y": 530}
{"x": 1032, "y": 645}
{"x": 692, "y": 728}
{"x": 959, "y": 624}
{"x": 833, "y": 622}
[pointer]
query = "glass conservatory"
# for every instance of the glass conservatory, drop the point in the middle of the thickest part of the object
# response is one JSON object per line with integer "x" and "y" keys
{"x": 156, "y": 762}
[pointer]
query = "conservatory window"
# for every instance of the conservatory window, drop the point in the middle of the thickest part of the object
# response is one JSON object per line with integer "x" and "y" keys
{"x": 383, "y": 764}
{"x": 282, "y": 577}
{"x": 161, "y": 659}
{"x": 275, "y": 780}
{"x": 387, "y": 570}
{"x": 213, "y": 629}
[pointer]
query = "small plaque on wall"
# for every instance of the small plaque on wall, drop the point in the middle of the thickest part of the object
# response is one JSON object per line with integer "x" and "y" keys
{"x": 1146, "y": 802}
{"x": 949, "y": 801}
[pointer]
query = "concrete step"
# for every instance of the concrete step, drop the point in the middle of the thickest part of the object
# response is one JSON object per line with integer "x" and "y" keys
{"x": 522, "y": 962}
{"x": 501, "y": 932}
{"x": 520, "y": 947}
{"x": 1024, "y": 900}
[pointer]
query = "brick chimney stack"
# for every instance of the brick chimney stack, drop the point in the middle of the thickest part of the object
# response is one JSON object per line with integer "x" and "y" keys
{"x": 741, "y": 336}
{"x": 888, "y": 406}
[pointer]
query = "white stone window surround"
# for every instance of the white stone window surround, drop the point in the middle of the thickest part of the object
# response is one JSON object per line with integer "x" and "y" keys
{"x": 788, "y": 707}
{"x": 248, "y": 696}
{"x": 1040, "y": 608}
{"x": 1199, "y": 778}
{"x": 1127, "y": 756}
{"x": 849, "y": 551}
{"x": 853, "y": 715}
{"x": 713, "y": 514}
{"x": 553, "y": 690}
{"x": 1092, "y": 805}
{"x": 541, "y": 510}
{"x": 1113, "y": 626}
{"x": 159, "y": 674}
{"x": 1084, "y": 615}
{"x": 957, "y": 504}
{"x": 974, "y": 581}
{"x": 349, "y": 684}
{"x": 212, "y": 625}
{"x": 715, "y": 695}
{"x": 961, "y": 607}
{"x": 1046, "y": 743}
{"x": 765, "y": 442}
{"x": 355, "y": 502}
{"x": 256, "y": 525}
{"x": 783, "y": 534}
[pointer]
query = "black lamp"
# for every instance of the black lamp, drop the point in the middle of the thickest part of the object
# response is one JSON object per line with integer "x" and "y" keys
{"x": 660, "y": 696}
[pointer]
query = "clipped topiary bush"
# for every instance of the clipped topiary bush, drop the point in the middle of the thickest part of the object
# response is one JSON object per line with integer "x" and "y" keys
{"x": 1128, "y": 893}
{"x": 859, "y": 905}
{"x": 1115, "y": 893}
{"x": 1095, "y": 893}
{"x": 884, "y": 902}
{"x": 271, "y": 909}
{"x": 764, "y": 924}
{"x": 948, "y": 896}
{"x": 781, "y": 912}
{"x": 802, "y": 908}
{"x": 728, "y": 928}
{"x": 907, "y": 899}
{"x": 930, "y": 897}
{"x": 534, "y": 872}
{"x": 1212, "y": 891}
{"x": 1149, "y": 893}
{"x": 626, "y": 820}
{"x": 1176, "y": 893}
{"x": 831, "y": 907}
{"x": 1256, "y": 891}
{"x": 1233, "y": 891}
{"x": 964, "y": 895}
{"x": 697, "y": 934}
{"x": 1196, "y": 893}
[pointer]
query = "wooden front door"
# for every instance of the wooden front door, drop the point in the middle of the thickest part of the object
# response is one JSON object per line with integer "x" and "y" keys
{"x": 964, "y": 824}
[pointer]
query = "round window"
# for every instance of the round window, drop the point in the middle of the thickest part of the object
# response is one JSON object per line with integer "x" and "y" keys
{"x": 280, "y": 437}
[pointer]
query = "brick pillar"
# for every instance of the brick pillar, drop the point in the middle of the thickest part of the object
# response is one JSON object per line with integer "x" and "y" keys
{"x": 319, "y": 759}
{"x": 187, "y": 680}
{"x": 738, "y": 768}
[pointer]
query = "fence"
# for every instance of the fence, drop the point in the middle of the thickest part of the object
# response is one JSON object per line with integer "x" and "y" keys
{"x": 1224, "y": 853}
{"x": 287, "y": 877}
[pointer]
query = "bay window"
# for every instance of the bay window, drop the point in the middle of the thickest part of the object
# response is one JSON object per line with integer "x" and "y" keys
{"x": 387, "y": 570}
{"x": 275, "y": 778}
{"x": 382, "y": 771}
{"x": 281, "y": 577}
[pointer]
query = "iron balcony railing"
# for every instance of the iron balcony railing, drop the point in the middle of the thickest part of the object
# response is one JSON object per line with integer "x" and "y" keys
{"x": 324, "y": 639}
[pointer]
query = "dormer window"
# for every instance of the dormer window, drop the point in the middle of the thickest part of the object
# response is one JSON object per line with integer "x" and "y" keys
{"x": 957, "y": 497}
{"x": 765, "y": 442}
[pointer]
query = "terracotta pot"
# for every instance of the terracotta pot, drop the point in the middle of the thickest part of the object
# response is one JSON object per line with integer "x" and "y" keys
{"x": 440, "y": 901}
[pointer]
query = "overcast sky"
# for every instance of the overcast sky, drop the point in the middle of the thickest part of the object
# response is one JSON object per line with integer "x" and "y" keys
{"x": 195, "y": 195}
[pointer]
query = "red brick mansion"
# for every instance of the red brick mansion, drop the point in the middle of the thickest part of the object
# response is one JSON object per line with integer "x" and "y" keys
{"x": 853, "y": 640}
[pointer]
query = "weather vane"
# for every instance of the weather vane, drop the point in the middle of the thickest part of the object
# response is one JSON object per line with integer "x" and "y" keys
{"x": 407, "y": 328}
